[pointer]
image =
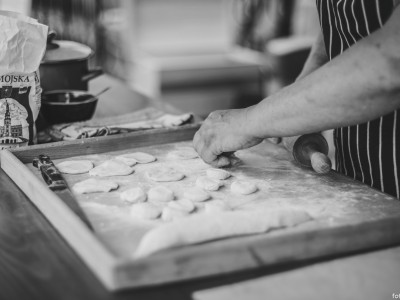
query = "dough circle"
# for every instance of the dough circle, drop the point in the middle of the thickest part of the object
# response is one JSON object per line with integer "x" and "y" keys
{"x": 145, "y": 210}
{"x": 75, "y": 166}
{"x": 208, "y": 183}
{"x": 111, "y": 168}
{"x": 160, "y": 194}
{"x": 93, "y": 185}
{"x": 182, "y": 204}
{"x": 165, "y": 174}
{"x": 183, "y": 154}
{"x": 196, "y": 194}
{"x": 134, "y": 195}
{"x": 170, "y": 214}
{"x": 136, "y": 157}
{"x": 243, "y": 187}
{"x": 218, "y": 174}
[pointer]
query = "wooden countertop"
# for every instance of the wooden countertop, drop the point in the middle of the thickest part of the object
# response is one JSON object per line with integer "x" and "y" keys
{"x": 36, "y": 263}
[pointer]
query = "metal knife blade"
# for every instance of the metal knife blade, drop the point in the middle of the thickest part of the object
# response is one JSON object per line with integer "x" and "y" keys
{"x": 57, "y": 184}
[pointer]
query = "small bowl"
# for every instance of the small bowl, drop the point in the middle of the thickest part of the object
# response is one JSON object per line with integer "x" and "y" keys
{"x": 67, "y": 106}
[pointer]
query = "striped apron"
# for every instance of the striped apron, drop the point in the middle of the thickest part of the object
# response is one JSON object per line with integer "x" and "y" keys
{"x": 367, "y": 152}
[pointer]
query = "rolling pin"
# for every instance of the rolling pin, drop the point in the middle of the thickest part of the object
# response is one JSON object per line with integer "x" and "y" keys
{"x": 310, "y": 150}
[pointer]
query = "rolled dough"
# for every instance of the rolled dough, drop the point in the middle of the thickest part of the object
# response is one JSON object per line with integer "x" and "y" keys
{"x": 208, "y": 183}
{"x": 134, "y": 195}
{"x": 164, "y": 174}
{"x": 196, "y": 194}
{"x": 243, "y": 187}
{"x": 75, "y": 166}
{"x": 136, "y": 157}
{"x": 183, "y": 154}
{"x": 205, "y": 227}
{"x": 218, "y": 174}
{"x": 111, "y": 168}
{"x": 216, "y": 206}
{"x": 145, "y": 210}
{"x": 160, "y": 194}
{"x": 93, "y": 185}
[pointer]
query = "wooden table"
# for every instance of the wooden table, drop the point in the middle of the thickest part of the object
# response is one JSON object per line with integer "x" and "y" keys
{"x": 36, "y": 263}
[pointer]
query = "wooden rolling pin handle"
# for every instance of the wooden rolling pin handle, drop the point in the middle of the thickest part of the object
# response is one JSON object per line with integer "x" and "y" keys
{"x": 320, "y": 162}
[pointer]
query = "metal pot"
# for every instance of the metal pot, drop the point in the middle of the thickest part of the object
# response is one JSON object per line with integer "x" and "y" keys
{"x": 66, "y": 66}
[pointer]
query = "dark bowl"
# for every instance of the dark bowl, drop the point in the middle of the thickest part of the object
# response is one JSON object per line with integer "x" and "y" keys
{"x": 67, "y": 106}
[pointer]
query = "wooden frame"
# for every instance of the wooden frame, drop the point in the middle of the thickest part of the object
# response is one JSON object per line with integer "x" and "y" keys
{"x": 189, "y": 262}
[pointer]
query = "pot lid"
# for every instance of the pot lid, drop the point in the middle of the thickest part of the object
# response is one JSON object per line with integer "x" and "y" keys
{"x": 62, "y": 51}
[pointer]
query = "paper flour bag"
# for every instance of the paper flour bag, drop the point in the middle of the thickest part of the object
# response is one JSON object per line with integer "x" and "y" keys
{"x": 22, "y": 46}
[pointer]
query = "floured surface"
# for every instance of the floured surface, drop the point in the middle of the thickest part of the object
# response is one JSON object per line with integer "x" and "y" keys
{"x": 331, "y": 199}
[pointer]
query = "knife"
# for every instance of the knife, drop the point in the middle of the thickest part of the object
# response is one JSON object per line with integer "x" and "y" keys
{"x": 57, "y": 184}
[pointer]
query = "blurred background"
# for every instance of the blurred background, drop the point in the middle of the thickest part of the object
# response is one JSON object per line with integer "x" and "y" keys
{"x": 196, "y": 55}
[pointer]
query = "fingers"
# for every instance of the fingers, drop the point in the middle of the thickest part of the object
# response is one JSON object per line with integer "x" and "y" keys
{"x": 207, "y": 153}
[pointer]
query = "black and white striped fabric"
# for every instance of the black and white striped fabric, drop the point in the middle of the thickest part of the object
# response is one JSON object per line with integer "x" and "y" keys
{"x": 368, "y": 152}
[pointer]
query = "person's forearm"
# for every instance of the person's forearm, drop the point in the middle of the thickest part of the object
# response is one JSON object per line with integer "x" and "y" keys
{"x": 360, "y": 85}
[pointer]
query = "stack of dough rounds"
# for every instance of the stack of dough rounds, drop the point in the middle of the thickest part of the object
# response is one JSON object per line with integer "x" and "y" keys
{"x": 160, "y": 194}
{"x": 183, "y": 154}
{"x": 208, "y": 183}
{"x": 136, "y": 157}
{"x": 75, "y": 166}
{"x": 145, "y": 210}
{"x": 111, "y": 168}
{"x": 92, "y": 185}
{"x": 164, "y": 174}
{"x": 218, "y": 174}
{"x": 196, "y": 194}
{"x": 243, "y": 187}
{"x": 134, "y": 195}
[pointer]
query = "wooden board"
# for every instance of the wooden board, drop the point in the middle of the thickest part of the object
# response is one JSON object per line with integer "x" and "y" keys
{"x": 349, "y": 216}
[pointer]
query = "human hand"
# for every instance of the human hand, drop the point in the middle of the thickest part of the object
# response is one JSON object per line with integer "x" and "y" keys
{"x": 221, "y": 134}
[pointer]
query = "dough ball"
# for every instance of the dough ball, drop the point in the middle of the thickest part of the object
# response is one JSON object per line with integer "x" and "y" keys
{"x": 216, "y": 206}
{"x": 145, "y": 210}
{"x": 164, "y": 174}
{"x": 160, "y": 194}
{"x": 170, "y": 214}
{"x": 92, "y": 185}
{"x": 218, "y": 174}
{"x": 134, "y": 195}
{"x": 136, "y": 157}
{"x": 182, "y": 204}
{"x": 111, "y": 168}
{"x": 75, "y": 166}
{"x": 243, "y": 187}
{"x": 196, "y": 194}
{"x": 183, "y": 154}
{"x": 208, "y": 183}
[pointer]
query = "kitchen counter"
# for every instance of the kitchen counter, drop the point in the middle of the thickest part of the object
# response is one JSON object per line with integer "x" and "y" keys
{"x": 36, "y": 263}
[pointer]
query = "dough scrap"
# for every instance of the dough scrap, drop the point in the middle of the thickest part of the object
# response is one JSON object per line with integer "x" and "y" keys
{"x": 165, "y": 174}
{"x": 145, "y": 210}
{"x": 75, "y": 166}
{"x": 205, "y": 227}
{"x": 182, "y": 204}
{"x": 136, "y": 157}
{"x": 208, "y": 183}
{"x": 134, "y": 195}
{"x": 183, "y": 153}
{"x": 170, "y": 214}
{"x": 196, "y": 194}
{"x": 160, "y": 194}
{"x": 111, "y": 168}
{"x": 243, "y": 187}
{"x": 218, "y": 174}
{"x": 93, "y": 185}
{"x": 216, "y": 206}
